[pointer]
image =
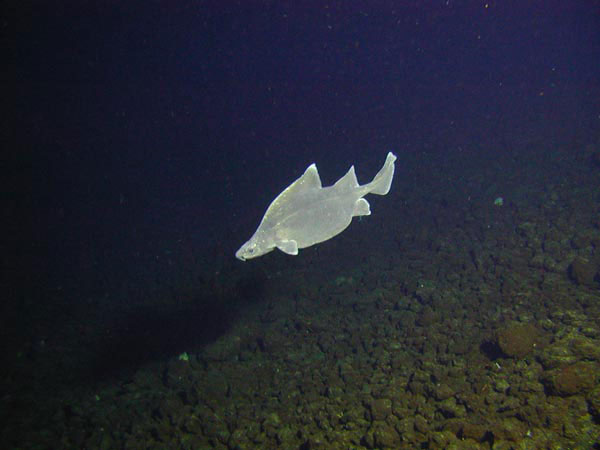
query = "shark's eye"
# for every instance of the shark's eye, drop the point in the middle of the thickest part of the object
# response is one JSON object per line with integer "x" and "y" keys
{"x": 250, "y": 250}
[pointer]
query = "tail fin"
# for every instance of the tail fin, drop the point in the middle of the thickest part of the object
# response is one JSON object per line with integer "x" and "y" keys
{"x": 383, "y": 180}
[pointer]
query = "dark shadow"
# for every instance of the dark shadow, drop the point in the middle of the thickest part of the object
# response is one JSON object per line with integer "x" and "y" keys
{"x": 491, "y": 350}
{"x": 150, "y": 334}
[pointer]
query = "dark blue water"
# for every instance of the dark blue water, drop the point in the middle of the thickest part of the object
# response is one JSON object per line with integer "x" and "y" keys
{"x": 143, "y": 143}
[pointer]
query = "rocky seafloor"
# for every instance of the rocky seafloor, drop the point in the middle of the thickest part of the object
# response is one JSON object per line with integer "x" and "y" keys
{"x": 454, "y": 322}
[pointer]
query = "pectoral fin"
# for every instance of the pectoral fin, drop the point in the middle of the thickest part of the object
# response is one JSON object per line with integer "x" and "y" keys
{"x": 290, "y": 247}
{"x": 361, "y": 208}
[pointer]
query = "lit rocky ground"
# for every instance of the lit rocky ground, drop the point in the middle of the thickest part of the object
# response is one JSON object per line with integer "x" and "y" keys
{"x": 448, "y": 321}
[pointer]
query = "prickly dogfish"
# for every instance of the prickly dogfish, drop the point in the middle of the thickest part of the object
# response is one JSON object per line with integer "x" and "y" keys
{"x": 307, "y": 213}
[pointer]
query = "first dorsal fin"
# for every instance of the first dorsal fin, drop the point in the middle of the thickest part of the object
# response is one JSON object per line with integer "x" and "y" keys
{"x": 347, "y": 182}
{"x": 310, "y": 179}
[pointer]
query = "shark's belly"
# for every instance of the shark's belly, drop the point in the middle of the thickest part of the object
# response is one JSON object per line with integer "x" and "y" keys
{"x": 317, "y": 224}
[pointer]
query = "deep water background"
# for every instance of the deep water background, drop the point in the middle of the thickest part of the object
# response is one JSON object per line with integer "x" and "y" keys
{"x": 144, "y": 141}
{"x": 137, "y": 130}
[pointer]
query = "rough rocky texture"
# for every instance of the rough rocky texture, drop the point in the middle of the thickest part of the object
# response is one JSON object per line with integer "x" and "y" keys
{"x": 584, "y": 272}
{"x": 593, "y": 399}
{"x": 517, "y": 340}
{"x": 577, "y": 378}
{"x": 398, "y": 357}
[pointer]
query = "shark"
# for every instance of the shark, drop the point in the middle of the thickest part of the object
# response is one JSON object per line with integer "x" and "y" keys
{"x": 306, "y": 213}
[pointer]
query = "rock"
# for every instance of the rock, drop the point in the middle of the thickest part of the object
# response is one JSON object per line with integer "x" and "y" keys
{"x": 223, "y": 349}
{"x": 593, "y": 399}
{"x": 584, "y": 272}
{"x": 559, "y": 354}
{"x": 442, "y": 392}
{"x": 577, "y": 378}
{"x": 501, "y": 385}
{"x": 517, "y": 340}
{"x": 586, "y": 348}
{"x": 178, "y": 373}
{"x": 193, "y": 424}
{"x": 385, "y": 436}
{"x": 171, "y": 408}
{"x": 510, "y": 429}
{"x": 421, "y": 424}
{"x": 476, "y": 432}
{"x": 271, "y": 424}
{"x": 449, "y": 408}
{"x": 427, "y": 317}
{"x": 442, "y": 439}
{"x": 380, "y": 408}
